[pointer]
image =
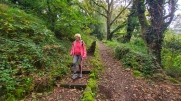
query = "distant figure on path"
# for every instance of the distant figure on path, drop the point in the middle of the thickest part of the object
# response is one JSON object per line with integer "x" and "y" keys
{"x": 79, "y": 53}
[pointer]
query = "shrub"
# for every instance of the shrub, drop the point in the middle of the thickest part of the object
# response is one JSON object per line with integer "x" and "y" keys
{"x": 136, "y": 73}
{"x": 121, "y": 51}
{"x": 111, "y": 44}
{"x": 135, "y": 60}
{"x": 171, "y": 52}
{"x": 174, "y": 80}
{"x": 139, "y": 42}
{"x": 171, "y": 55}
{"x": 174, "y": 72}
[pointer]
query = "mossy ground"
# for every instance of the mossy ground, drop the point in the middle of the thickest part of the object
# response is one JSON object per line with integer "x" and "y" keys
{"x": 92, "y": 86}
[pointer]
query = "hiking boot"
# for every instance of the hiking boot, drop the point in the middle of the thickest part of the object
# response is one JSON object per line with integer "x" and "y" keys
{"x": 74, "y": 76}
{"x": 80, "y": 75}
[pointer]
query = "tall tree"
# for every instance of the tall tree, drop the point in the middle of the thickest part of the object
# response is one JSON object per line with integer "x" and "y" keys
{"x": 107, "y": 11}
{"x": 161, "y": 15}
{"x": 132, "y": 22}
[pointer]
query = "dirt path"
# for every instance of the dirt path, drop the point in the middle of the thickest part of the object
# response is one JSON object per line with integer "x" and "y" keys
{"x": 61, "y": 93}
{"x": 117, "y": 84}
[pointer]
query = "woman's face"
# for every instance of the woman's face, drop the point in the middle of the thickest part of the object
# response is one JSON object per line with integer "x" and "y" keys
{"x": 77, "y": 38}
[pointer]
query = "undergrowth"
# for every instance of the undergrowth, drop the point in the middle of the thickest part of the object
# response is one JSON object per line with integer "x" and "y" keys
{"x": 30, "y": 54}
{"x": 134, "y": 55}
{"x": 171, "y": 55}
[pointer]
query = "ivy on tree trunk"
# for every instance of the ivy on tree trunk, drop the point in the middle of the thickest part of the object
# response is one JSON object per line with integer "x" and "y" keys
{"x": 131, "y": 23}
{"x": 152, "y": 31}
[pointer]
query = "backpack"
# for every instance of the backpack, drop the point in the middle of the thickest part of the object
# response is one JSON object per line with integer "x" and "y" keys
{"x": 82, "y": 42}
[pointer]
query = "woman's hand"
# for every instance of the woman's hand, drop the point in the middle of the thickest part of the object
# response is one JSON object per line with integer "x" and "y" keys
{"x": 83, "y": 57}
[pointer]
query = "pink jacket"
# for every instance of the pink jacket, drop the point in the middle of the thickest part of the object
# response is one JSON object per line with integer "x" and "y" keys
{"x": 83, "y": 49}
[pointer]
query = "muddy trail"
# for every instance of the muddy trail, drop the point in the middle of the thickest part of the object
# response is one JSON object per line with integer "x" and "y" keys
{"x": 115, "y": 84}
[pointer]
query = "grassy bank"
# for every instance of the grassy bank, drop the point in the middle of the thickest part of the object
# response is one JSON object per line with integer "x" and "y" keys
{"x": 92, "y": 87}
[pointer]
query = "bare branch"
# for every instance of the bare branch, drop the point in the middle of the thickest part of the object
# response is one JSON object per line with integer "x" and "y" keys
{"x": 100, "y": 13}
{"x": 97, "y": 11}
{"x": 100, "y": 6}
{"x": 120, "y": 13}
{"x": 172, "y": 10}
{"x": 118, "y": 27}
{"x": 170, "y": 16}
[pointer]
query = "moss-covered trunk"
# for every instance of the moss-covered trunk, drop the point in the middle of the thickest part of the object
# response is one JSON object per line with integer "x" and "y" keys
{"x": 153, "y": 39}
{"x": 132, "y": 22}
{"x": 152, "y": 32}
{"x": 109, "y": 16}
{"x": 108, "y": 29}
{"x": 150, "y": 35}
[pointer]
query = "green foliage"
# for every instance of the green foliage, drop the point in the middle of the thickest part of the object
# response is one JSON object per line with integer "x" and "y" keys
{"x": 94, "y": 74}
{"x": 136, "y": 73}
{"x": 58, "y": 72}
{"x": 96, "y": 62}
{"x": 87, "y": 95}
{"x": 92, "y": 85}
{"x": 133, "y": 55}
{"x": 87, "y": 39}
{"x": 98, "y": 28}
{"x": 27, "y": 48}
{"x": 71, "y": 20}
{"x": 138, "y": 42}
{"x": 120, "y": 51}
{"x": 19, "y": 92}
{"x": 11, "y": 98}
{"x": 97, "y": 24}
{"x": 90, "y": 90}
{"x": 111, "y": 44}
{"x": 64, "y": 17}
{"x": 174, "y": 80}
{"x": 171, "y": 54}
{"x": 174, "y": 72}
{"x": 76, "y": 23}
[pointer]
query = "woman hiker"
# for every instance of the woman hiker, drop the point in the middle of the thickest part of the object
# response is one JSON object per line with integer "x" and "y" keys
{"x": 79, "y": 53}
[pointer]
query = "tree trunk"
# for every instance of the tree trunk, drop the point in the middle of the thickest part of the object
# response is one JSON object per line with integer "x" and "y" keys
{"x": 109, "y": 14}
{"x": 152, "y": 33}
{"x": 132, "y": 22}
{"x": 130, "y": 28}
{"x": 149, "y": 34}
{"x": 108, "y": 29}
{"x": 153, "y": 39}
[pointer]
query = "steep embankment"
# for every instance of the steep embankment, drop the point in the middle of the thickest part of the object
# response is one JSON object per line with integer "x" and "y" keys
{"x": 31, "y": 57}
